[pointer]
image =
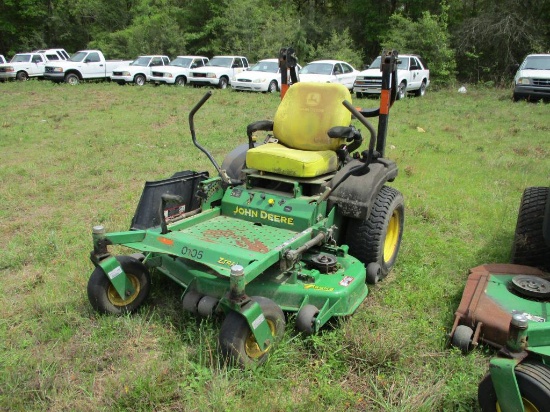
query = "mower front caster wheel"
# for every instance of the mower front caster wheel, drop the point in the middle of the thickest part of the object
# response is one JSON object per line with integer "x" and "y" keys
{"x": 237, "y": 342}
{"x": 533, "y": 383}
{"x": 105, "y": 299}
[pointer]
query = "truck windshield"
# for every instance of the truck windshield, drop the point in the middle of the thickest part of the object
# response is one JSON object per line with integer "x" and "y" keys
{"x": 536, "y": 63}
{"x": 78, "y": 57}
{"x": 141, "y": 61}
{"x": 21, "y": 58}
{"x": 220, "y": 61}
{"x": 268, "y": 67}
{"x": 181, "y": 62}
{"x": 403, "y": 63}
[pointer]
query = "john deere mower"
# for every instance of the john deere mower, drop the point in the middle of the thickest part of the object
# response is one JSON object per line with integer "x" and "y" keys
{"x": 507, "y": 306}
{"x": 298, "y": 223}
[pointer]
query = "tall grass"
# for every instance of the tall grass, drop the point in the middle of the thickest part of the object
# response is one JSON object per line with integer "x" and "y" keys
{"x": 73, "y": 157}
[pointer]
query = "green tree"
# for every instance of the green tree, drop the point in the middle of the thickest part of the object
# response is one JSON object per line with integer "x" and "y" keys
{"x": 339, "y": 46}
{"x": 428, "y": 37}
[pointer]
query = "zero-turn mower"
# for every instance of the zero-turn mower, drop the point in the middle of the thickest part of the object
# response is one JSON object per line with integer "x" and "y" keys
{"x": 299, "y": 223}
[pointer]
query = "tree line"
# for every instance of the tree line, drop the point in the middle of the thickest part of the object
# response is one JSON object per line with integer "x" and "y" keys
{"x": 468, "y": 40}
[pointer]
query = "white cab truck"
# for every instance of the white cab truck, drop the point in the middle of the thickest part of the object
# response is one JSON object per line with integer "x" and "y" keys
{"x": 83, "y": 65}
{"x": 413, "y": 75}
{"x": 177, "y": 72}
{"x": 532, "y": 80}
{"x": 218, "y": 71}
{"x": 23, "y": 66}
{"x": 138, "y": 71}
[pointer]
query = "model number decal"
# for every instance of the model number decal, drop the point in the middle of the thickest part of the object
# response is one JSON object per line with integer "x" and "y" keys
{"x": 315, "y": 287}
{"x": 194, "y": 253}
{"x": 224, "y": 261}
{"x": 115, "y": 272}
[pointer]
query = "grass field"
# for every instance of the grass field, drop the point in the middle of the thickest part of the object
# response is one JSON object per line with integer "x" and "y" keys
{"x": 74, "y": 157}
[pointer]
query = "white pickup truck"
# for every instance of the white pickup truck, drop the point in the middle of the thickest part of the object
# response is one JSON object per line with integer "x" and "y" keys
{"x": 139, "y": 71}
{"x": 83, "y": 65}
{"x": 218, "y": 71}
{"x": 23, "y": 66}
{"x": 413, "y": 75}
{"x": 177, "y": 72}
{"x": 532, "y": 80}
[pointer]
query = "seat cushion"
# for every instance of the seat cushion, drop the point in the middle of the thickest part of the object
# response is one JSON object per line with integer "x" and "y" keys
{"x": 306, "y": 114}
{"x": 276, "y": 158}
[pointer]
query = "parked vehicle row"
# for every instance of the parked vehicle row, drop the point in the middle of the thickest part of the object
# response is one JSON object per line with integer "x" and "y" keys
{"x": 220, "y": 71}
{"x": 532, "y": 80}
{"x": 23, "y": 66}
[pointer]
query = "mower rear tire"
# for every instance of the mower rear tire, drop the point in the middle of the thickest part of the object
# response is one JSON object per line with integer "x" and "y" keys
{"x": 105, "y": 299}
{"x": 533, "y": 383}
{"x": 305, "y": 319}
{"x": 237, "y": 342}
{"x": 462, "y": 338}
{"x": 377, "y": 239}
{"x": 529, "y": 247}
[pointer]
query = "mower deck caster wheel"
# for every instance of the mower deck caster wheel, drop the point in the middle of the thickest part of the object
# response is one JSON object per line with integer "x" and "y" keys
{"x": 305, "y": 320}
{"x": 374, "y": 273}
{"x": 190, "y": 301}
{"x": 462, "y": 338}
{"x": 207, "y": 306}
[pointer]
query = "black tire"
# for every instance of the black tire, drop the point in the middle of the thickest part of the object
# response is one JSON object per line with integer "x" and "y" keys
{"x": 358, "y": 95}
{"x": 401, "y": 91}
{"x": 103, "y": 296}
{"x": 72, "y": 79}
{"x": 534, "y": 386}
{"x": 529, "y": 247}
{"x": 237, "y": 343}
{"x": 462, "y": 338}
{"x": 374, "y": 273}
{"x": 191, "y": 300}
{"x": 422, "y": 91}
{"x": 22, "y": 76}
{"x": 377, "y": 239}
{"x": 272, "y": 88}
{"x": 305, "y": 319}
{"x": 140, "y": 79}
{"x": 235, "y": 161}
{"x": 222, "y": 84}
{"x": 180, "y": 81}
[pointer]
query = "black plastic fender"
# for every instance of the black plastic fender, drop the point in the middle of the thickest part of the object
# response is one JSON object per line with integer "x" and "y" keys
{"x": 356, "y": 194}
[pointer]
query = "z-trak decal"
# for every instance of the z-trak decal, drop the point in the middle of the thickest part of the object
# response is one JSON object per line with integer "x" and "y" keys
{"x": 262, "y": 214}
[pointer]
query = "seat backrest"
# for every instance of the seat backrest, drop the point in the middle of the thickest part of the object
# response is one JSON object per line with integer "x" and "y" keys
{"x": 306, "y": 114}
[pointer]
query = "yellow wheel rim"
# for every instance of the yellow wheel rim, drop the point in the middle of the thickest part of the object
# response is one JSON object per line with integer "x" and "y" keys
{"x": 392, "y": 237}
{"x": 251, "y": 346}
{"x": 115, "y": 298}
{"x": 527, "y": 405}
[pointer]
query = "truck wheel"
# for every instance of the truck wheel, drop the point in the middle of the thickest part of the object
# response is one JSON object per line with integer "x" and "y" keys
{"x": 72, "y": 79}
{"x": 139, "y": 79}
{"x": 533, "y": 384}
{"x": 22, "y": 76}
{"x": 529, "y": 246}
{"x": 401, "y": 91}
{"x": 237, "y": 343}
{"x": 105, "y": 299}
{"x": 377, "y": 239}
{"x": 422, "y": 90}
{"x": 180, "y": 81}
{"x": 223, "y": 83}
{"x": 358, "y": 95}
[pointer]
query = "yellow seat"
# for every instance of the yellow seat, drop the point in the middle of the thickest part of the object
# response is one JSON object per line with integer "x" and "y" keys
{"x": 301, "y": 126}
